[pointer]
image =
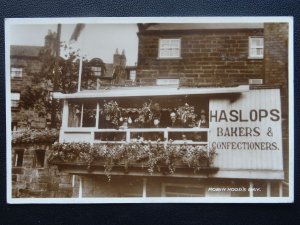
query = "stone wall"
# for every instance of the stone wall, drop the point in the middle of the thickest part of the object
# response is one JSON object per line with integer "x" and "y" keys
{"x": 33, "y": 180}
{"x": 28, "y": 117}
{"x": 208, "y": 57}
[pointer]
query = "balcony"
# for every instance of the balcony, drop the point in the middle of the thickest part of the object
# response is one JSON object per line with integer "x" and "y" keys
{"x": 138, "y": 159}
{"x": 135, "y": 151}
{"x": 141, "y": 136}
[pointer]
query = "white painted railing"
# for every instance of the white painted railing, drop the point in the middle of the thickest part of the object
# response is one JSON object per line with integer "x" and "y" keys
{"x": 129, "y": 135}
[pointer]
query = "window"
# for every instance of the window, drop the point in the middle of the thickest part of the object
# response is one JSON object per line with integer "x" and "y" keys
{"x": 16, "y": 72}
{"x": 82, "y": 115}
{"x": 256, "y": 47}
{"x": 19, "y": 154}
{"x": 39, "y": 158}
{"x": 132, "y": 75}
{"x": 96, "y": 70}
{"x": 74, "y": 118}
{"x": 182, "y": 190}
{"x": 167, "y": 82}
{"x": 15, "y": 99}
{"x": 169, "y": 48}
{"x": 14, "y": 126}
{"x": 89, "y": 114}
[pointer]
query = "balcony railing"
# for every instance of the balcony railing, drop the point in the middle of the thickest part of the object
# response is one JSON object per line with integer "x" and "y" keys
{"x": 194, "y": 136}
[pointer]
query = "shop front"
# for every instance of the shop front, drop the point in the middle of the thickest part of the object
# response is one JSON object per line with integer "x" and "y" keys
{"x": 171, "y": 142}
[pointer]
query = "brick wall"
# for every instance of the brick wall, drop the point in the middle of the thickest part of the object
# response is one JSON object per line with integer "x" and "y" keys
{"x": 207, "y": 58}
{"x": 214, "y": 57}
{"x": 32, "y": 180}
{"x": 276, "y": 73}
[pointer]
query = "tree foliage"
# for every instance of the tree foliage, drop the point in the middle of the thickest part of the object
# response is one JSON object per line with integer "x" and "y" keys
{"x": 56, "y": 74}
{"x": 61, "y": 73}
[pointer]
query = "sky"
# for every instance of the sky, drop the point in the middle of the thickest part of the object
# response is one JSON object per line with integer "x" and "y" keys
{"x": 97, "y": 40}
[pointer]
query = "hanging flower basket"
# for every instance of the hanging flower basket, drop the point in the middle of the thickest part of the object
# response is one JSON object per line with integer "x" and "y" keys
{"x": 153, "y": 157}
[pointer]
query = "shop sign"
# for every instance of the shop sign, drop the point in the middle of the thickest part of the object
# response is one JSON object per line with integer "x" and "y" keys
{"x": 246, "y": 131}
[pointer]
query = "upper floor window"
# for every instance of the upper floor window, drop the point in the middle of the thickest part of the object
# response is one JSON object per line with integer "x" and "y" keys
{"x": 82, "y": 115}
{"x": 169, "y": 48}
{"x": 15, "y": 99}
{"x": 132, "y": 75}
{"x": 16, "y": 72}
{"x": 256, "y": 47}
{"x": 96, "y": 71}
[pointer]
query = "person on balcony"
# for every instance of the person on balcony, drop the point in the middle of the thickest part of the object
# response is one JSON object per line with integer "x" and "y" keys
{"x": 156, "y": 111}
{"x": 156, "y": 123}
{"x": 174, "y": 122}
{"x": 202, "y": 122}
{"x": 74, "y": 115}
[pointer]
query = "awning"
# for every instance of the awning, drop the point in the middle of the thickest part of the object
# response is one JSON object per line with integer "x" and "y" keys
{"x": 149, "y": 91}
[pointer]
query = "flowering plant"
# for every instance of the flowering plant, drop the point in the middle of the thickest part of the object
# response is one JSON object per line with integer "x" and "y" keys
{"x": 186, "y": 113}
{"x": 35, "y": 136}
{"x": 112, "y": 111}
{"x": 152, "y": 156}
{"x": 145, "y": 113}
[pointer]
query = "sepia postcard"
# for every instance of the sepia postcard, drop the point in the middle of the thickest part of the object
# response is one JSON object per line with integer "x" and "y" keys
{"x": 150, "y": 110}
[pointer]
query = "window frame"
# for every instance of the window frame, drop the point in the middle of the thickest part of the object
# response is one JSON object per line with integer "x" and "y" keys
{"x": 167, "y": 81}
{"x": 81, "y": 110}
{"x": 17, "y": 154}
{"x": 40, "y": 162}
{"x": 170, "y": 48}
{"x": 13, "y": 72}
{"x": 14, "y": 126}
{"x": 13, "y": 106}
{"x": 250, "y": 47}
{"x": 132, "y": 73}
{"x": 93, "y": 67}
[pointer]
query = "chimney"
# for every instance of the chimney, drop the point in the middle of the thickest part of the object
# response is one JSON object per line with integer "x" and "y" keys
{"x": 50, "y": 39}
{"x": 119, "y": 59}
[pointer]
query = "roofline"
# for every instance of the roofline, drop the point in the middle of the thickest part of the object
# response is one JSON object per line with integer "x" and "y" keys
{"x": 197, "y": 31}
{"x": 150, "y": 91}
{"x": 25, "y": 55}
{"x": 192, "y": 28}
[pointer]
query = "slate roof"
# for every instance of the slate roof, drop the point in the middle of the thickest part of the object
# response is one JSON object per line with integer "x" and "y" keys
{"x": 25, "y": 51}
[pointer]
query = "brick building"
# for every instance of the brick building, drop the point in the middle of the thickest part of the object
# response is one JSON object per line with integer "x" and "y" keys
{"x": 31, "y": 138}
{"x": 209, "y": 111}
{"x": 220, "y": 55}
{"x": 24, "y": 60}
{"x": 108, "y": 74}
{"x": 205, "y": 56}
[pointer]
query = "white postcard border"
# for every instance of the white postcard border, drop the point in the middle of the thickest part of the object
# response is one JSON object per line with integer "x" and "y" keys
{"x": 127, "y": 20}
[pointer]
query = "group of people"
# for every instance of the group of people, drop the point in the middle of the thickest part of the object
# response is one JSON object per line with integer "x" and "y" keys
{"x": 156, "y": 118}
{"x": 175, "y": 122}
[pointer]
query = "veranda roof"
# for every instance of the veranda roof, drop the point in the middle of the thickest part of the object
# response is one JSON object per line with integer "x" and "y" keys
{"x": 149, "y": 91}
